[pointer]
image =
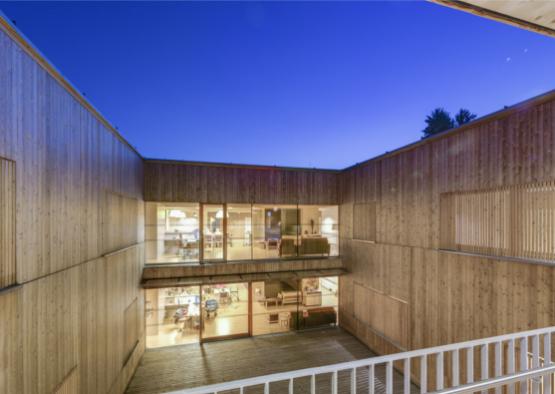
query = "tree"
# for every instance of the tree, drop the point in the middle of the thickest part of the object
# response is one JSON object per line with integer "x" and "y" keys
{"x": 464, "y": 116}
{"x": 439, "y": 120}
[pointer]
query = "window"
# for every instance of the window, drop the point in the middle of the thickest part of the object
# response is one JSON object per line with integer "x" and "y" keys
{"x": 213, "y": 219}
{"x": 172, "y": 232}
{"x": 275, "y": 230}
{"x": 239, "y": 232}
{"x": 516, "y": 221}
{"x": 318, "y": 231}
{"x": 189, "y": 232}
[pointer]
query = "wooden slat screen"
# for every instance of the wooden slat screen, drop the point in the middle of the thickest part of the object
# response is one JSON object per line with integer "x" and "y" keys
{"x": 364, "y": 221}
{"x": 7, "y": 223}
{"x": 514, "y": 221}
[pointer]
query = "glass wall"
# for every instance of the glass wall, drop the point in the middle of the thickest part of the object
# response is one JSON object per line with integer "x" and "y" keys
{"x": 275, "y": 231}
{"x": 172, "y": 232}
{"x": 319, "y": 302}
{"x": 172, "y": 316}
{"x": 225, "y": 310}
{"x": 287, "y": 305}
{"x": 176, "y": 233}
{"x": 319, "y": 232}
{"x": 213, "y": 232}
{"x": 190, "y": 314}
{"x": 239, "y": 232}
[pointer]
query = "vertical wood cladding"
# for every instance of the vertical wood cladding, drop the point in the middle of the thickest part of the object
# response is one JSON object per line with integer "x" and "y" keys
{"x": 512, "y": 221}
{"x": 207, "y": 183}
{"x": 364, "y": 221}
{"x": 498, "y": 174}
{"x": 7, "y": 223}
{"x": 63, "y": 325}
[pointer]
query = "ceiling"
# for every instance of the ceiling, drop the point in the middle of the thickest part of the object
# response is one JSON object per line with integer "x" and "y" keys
{"x": 534, "y": 15}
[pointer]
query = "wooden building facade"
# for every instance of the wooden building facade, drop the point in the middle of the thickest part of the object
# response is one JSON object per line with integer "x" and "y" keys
{"x": 71, "y": 305}
{"x": 445, "y": 240}
{"x": 451, "y": 238}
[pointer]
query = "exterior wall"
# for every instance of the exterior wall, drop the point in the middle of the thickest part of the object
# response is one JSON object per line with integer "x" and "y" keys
{"x": 168, "y": 181}
{"x": 72, "y": 315}
{"x": 403, "y": 291}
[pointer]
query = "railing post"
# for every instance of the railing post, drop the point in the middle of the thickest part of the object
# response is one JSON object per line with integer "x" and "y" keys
{"x": 371, "y": 379}
{"x": 455, "y": 367}
{"x": 334, "y": 382}
{"x": 535, "y": 362}
{"x": 313, "y": 384}
{"x": 524, "y": 363}
{"x": 389, "y": 378}
{"x": 423, "y": 374}
{"x": 547, "y": 380}
{"x": 406, "y": 376}
{"x": 353, "y": 381}
{"x": 484, "y": 362}
{"x": 511, "y": 363}
{"x": 439, "y": 371}
{"x": 470, "y": 365}
{"x": 498, "y": 363}
{"x": 290, "y": 386}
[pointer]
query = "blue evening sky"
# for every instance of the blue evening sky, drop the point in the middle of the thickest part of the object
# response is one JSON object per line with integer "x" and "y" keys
{"x": 315, "y": 84}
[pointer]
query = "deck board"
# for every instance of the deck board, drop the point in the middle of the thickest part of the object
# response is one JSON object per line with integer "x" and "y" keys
{"x": 187, "y": 366}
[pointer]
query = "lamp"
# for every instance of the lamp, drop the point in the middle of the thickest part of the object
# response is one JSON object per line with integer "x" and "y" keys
{"x": 177, "y": 213}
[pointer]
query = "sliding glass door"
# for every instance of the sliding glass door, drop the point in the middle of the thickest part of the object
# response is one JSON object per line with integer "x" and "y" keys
{"x": 225, "y": 311}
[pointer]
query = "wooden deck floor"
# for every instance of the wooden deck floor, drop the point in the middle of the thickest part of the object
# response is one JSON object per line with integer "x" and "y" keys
{"x": 186, "y": 366}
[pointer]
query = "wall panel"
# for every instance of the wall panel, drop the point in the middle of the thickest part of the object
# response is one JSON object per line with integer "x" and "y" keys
{"x": 7, "y": 223}
{"x": 169, "y": 181}
{"x": 11, "y": 342}
{"x": 62, "y": 325}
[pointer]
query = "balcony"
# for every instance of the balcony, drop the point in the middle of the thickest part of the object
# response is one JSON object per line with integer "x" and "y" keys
{"x": 189, "y": 366}
{"x": 332, "y": 361}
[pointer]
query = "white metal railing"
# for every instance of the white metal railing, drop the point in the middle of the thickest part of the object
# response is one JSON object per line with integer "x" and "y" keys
{"x": 539, "y": 376}
{"x": 508, "y": 356}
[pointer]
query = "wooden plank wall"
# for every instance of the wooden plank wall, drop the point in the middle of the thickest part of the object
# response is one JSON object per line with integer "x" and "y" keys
{"x": 168, "y": 181}
{"x": 450, "y": 297}
{"x": 63, "y": 322}
{"x": 7, "y": 223}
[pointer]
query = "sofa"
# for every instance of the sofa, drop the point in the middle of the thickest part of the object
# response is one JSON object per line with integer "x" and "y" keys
{"x": 314, "y": 245}
{"x": 315, "y": 317}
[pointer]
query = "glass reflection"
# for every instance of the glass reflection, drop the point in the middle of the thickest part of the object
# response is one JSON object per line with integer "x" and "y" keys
{"x": 213, "y": 232}
{"x": 239, "y": 232}
{"x": 171, "y": 232}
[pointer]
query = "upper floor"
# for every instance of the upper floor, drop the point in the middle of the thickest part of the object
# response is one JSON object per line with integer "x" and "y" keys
{"x": 192, "y": 232}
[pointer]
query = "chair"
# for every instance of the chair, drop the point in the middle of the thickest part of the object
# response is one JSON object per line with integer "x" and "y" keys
{"x": 284, "y": 318}
{"x": 287, "y": 247}
{"x": 211, "y": 306}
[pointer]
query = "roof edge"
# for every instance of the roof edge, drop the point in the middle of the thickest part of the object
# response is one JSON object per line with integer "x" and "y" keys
{"x": 496, "y": 16}
{"x": 19, "y": 38}
{"x": 503, "y": 113}
{"x": 239, "y": 165}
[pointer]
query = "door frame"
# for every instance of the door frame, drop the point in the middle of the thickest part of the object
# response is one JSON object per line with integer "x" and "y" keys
{"x": 230, "y": 336}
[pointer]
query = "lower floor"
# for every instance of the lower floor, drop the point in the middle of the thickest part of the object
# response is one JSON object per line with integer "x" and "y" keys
{"x": 192, "y": 314}
{"x": 180, "y": 367}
